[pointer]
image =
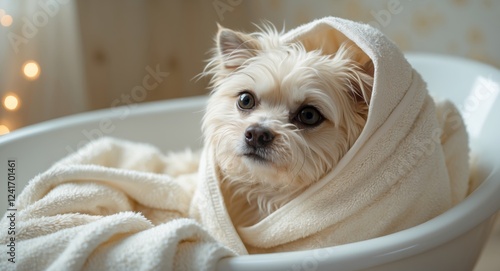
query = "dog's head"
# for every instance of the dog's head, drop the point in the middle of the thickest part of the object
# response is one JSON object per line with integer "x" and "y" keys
{"x": 281, "y": 115}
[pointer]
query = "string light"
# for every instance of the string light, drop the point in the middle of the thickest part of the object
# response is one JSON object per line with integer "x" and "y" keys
{"x": 31, "y": 70}
{"x": 4, "y": 130}
{"x": 11, "y": 102}
{"x": 6, "y": 20}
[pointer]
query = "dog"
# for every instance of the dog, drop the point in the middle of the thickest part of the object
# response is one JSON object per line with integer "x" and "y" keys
{"x": 280, "y": 115}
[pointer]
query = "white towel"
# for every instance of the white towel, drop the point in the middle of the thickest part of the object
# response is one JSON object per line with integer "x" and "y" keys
{"x": 111, "y": 207}
{"x": 409, "y": 164}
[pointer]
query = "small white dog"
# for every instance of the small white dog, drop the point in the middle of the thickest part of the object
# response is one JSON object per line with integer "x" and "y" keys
{"x": 280, "y": 116}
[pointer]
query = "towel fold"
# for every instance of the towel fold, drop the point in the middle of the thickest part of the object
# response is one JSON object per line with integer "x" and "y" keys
{"x": 110, "y": 206}
{"x": 409, "y": 164}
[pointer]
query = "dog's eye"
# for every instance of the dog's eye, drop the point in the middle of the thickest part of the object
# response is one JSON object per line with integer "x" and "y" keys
{"x": 246, "y": 101}
{"x": 309, "y": 116}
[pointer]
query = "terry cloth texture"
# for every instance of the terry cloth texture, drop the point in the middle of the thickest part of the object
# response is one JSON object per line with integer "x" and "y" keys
{"x": 110, "y": 206}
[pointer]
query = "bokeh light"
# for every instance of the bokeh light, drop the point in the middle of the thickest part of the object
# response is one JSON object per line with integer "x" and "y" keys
{"x": 31, "y": 70}
{"x": 6, "y": 20}
{"x": 4, "y": 129}
{"x": 11, "y": 102}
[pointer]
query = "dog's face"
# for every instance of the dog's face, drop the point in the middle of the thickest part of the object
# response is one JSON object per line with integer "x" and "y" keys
{"x": 281, "y": 117}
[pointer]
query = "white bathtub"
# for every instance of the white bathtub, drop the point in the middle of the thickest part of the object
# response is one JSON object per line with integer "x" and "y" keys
{"x": 451, "y": 241}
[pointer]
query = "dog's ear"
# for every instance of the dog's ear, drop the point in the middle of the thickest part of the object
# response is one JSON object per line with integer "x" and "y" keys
{"x": 234, "y": 48}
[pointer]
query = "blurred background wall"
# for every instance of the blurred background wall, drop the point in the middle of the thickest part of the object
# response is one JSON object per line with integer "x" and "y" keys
{"x": 60, "y": 57}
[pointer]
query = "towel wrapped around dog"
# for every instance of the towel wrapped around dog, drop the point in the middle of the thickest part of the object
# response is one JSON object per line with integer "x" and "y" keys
{"x": 409, "y": 164}
{"x": 113, "y": 205}
{"x": 116, "y": 205}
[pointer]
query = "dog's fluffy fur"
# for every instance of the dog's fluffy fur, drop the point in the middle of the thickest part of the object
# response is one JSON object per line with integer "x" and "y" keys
{"x": 283, "y": 79}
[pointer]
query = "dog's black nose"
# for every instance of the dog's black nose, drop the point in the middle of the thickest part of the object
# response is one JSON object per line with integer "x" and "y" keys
{"x": 258, "y": 136}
